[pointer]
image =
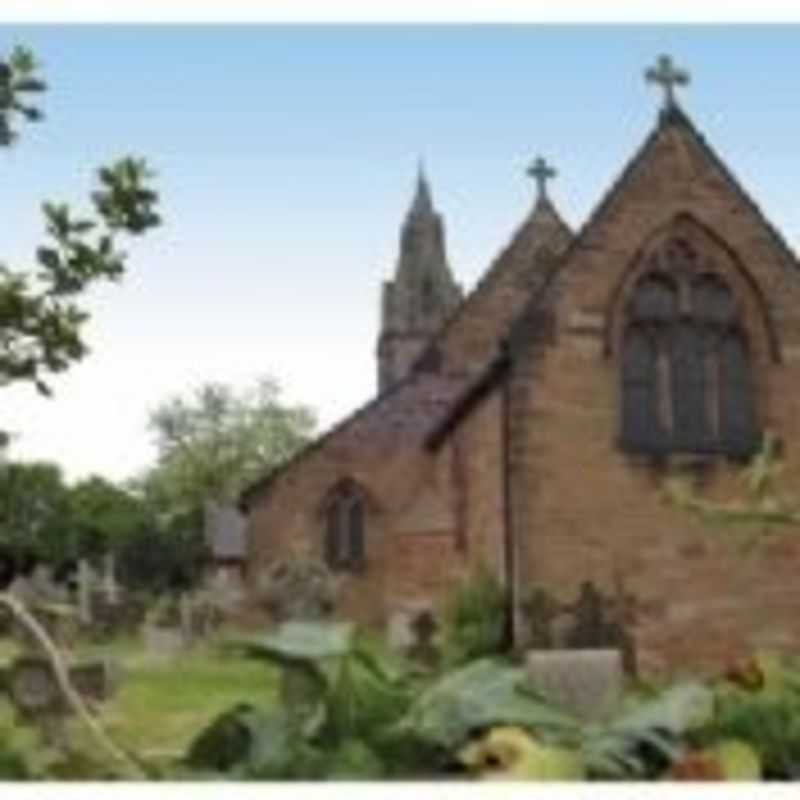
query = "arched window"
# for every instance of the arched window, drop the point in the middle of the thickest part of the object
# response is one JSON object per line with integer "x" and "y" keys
{"x": 345, "y": 527}
{"x": 686, "y": 377}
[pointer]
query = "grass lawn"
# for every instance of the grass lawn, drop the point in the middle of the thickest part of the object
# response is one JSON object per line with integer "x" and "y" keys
{"x": 163, "y": 702}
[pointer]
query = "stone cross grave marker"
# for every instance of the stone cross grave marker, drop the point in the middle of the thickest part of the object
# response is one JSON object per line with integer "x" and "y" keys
{"x": 29, "y": 680}
{"x": 424, "y": 627}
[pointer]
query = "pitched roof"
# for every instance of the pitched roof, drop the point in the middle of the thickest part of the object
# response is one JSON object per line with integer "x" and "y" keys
{"x": 400, "y": 416}
{"x": 416, "y": 405}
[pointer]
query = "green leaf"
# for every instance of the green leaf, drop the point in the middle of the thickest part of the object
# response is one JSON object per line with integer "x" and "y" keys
{"x": 676, "y": 711}
{"x": 479, "y": 695}
{"x": 306, "y": 641}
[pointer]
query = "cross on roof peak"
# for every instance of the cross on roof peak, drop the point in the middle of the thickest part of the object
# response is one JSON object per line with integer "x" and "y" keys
{"x": 668, "y": 76}
{"x": 541, "y": 172}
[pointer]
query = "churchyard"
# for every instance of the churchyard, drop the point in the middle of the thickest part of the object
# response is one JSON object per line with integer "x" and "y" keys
{"x": 308, "y": 695}
{"x": 428, "y": 592}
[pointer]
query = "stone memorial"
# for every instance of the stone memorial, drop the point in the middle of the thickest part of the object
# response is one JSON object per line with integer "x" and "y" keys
{"x": 587, "y": 683}
{"x": 423, "y": 650}
{"x": 30, "y": 680}
{"x": 298, "y": 589}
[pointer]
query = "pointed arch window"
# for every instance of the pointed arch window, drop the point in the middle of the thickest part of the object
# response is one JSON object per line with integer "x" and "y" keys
{"x": 345, "y": 527}
{"x": 686, "y": 372}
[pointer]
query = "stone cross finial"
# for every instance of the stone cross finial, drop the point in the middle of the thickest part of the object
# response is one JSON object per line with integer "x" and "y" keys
{"x": 668, "y": 76}
{"x": 541, "y": 172}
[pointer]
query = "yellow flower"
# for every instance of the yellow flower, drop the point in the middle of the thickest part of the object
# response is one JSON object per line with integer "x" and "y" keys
{"x": 511, "y": 753}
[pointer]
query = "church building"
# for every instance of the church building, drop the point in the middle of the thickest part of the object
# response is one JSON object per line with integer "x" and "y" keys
{"x": 533, "y": 424}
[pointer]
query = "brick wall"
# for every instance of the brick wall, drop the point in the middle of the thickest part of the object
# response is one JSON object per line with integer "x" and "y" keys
{"x": 581, "y": 509}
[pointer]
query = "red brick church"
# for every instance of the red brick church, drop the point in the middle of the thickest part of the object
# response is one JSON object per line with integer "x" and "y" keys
{"x": 530, "y": 424}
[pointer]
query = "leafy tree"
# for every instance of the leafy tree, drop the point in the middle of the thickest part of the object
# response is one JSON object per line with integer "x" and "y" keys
{"x": 161, "y": 560}
{"x": 104, "y": 517}
{"x": 34, "y": 511}
{"x": 216, "y": 441}
{"x": 41, "y": 324}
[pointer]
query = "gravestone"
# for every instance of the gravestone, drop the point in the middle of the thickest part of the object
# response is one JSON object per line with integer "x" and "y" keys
{"x": 86, "y": 582}
{"x": 424, "y": 629}
{"x": 298, "y": 589}
{"x": 164, "y": 631}
{"x": 587, "y": 683}
{"x": 178, "y": 622}
{"x": 30, "y": 681}
{"x": 225, "y": 591}
{"x": 593, "y": 621}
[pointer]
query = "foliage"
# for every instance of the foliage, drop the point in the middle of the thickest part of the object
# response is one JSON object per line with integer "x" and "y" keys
{"x": 41, "y": 324}
{"x": 214, "y": 442}
{"x": 475, "y": 697}
{"x": 761, "y": 504}
{"x": 104, "y": 517}
{"x": 44, "y": 518}
{"x": 339, "y": 697}
{"x": 767, "y": 718}
{"x": 160, "y": 559}
{"x": 13, "y": 764}
{"x": 640, "y": 741}
{"x": 18, "y": 80}
{"x": 34, "y": 511}
{"x": 475, "y": 619}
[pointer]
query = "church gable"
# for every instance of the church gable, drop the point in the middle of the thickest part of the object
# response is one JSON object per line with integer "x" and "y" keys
{"x": 471, "y": 338}
{"x": 676, "y": 180}
{"x": 665, "y": 344}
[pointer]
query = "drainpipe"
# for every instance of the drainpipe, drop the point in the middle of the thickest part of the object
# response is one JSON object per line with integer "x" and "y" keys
{"x": 511, "y": 632}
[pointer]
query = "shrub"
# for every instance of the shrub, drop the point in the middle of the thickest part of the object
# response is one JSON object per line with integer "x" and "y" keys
{"x": 475, "y": 619}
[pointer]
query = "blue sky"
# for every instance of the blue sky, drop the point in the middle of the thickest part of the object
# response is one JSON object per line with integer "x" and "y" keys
{"x": 286, "y": 160}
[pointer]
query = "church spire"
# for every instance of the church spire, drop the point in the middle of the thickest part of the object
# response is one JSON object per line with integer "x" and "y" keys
{"x": 422, "y": 205}
{"x": 423, "y": 293}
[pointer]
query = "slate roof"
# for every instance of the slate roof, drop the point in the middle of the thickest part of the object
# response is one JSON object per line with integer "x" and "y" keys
{"x": 408, "y": 412}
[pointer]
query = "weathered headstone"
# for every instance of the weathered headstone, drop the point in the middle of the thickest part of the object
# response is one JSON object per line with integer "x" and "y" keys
{"x": 86, "y": 581}
{"x": 588, "y": 683}
{"x": 225, "y": 591}
{"x": 30, "y": 681}
{"x": 109, "y": 580}
{"x": 298, "y": 589}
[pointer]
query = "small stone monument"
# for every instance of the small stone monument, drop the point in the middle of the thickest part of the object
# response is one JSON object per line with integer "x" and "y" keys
{"x": 30, "y": 680}
{"x": 298, "y": 589}
{"x": 582, "y": 651}
{"x": 109, "y": 583}
{"x": 424, "y": 628}
{"x": 86, "y": 582}
{"x": 587, "y": 683}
